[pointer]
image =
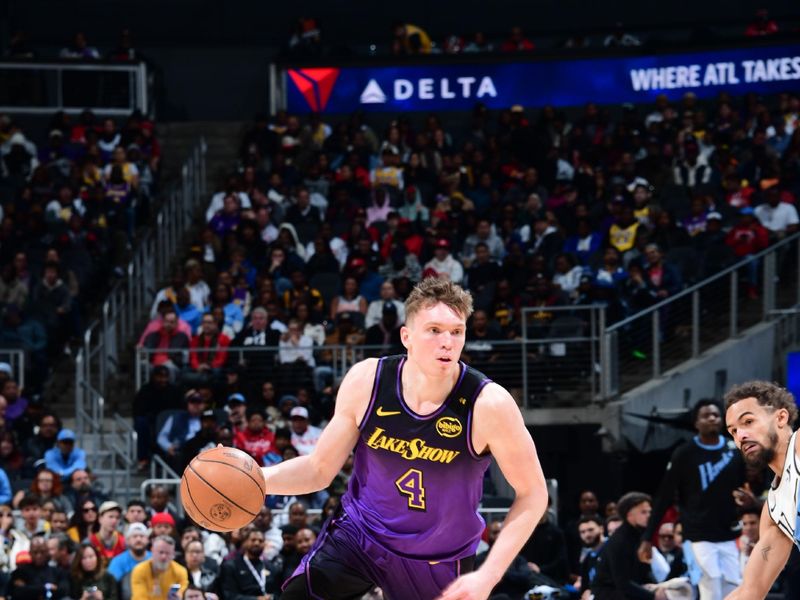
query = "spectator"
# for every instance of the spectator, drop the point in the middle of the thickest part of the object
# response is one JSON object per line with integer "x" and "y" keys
{"x": 154, "y": 396}
{"x": 483, "y": 234}
{"x": 349, "y": 301}
{"x": 80, "y": 489}
{"x": 258, "y": 365}
{"x": 198, "y": 571}
{"x": 567, "y": 275}
{"x": 168, "y": 345}
{"x": 16, "y": 404}
{"x": 747, "y": 238}
{"x": 478, "y": 349}
{"x": 386, "y": 333}
{"x": 588, "y": 506}
{"x": 83, "y": 522}
{"x": 662, "y": 277}
{"x": 209, "y": 348}
{"x": 187, "y": 311}
{"x": 590, "y": 530}
{"x": 79, "y": 49}
{"x": 181, "y": 426}
{"x": 203, "y": 440}
{"x": 780, "y": 218}
{"x": 256, "y": 439}
{"x": 89, "y": 576}
{"x": 245, "y": 575}
{"x": 45, "y": 486}
{"x": 198, "y": 289}
{"x": 692, "y": 169}
{"x": 107, "y": 540}
{"x": 670, "y": 550}
{"x": 620, "y": 574}
{"x": 43, "y": 440}
{"x": 13, "y": 542}
{"x": 706, "y": 510}
{"x": 53, "y": 302}
{"x": 762, "y": 25}
{"x": 161, "y": 511}
{"x": 152, "y": 578}
{"x": 65, "y": 458}
{"x": 546, "y": 551}
{"x": 135, "y": 512}
{"x": 750, "y": 517}
{"x": 31, "y": 523}
{"x": 136, "y": 539}
{"x": 37, "y": 579}
{"x": 517, "y": 42}
{"x": 443, "y": 264}
{"x": 304, "y": 435}
{"x": 584, "y": 244}
{"x": 62, "y": 552}
{"x": 11, "y": 459}
{"x": 546, "y": 240}
{"x": 295, "y": 355}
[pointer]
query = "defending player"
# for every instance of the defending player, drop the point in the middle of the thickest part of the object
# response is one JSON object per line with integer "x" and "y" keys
{"x": 423, "y": 426}
{"x": 760, "y": 416}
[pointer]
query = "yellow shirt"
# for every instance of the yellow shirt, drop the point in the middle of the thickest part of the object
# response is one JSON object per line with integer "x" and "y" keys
{"x": 621, "y": 238}
{"x": 146, "y": 587}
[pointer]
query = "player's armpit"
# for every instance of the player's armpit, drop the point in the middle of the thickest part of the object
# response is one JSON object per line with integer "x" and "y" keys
{"x": 766, "y": 561}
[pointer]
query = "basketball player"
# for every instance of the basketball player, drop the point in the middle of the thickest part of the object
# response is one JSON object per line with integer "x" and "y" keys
{"x": 423, "y": 426}
{"x": 760, "y": 416}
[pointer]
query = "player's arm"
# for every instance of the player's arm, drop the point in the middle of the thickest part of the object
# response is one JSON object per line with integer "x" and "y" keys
{"x": 307, "y": 474}
{"x": 499, "y": 426}
{"x": 766, "y": 561}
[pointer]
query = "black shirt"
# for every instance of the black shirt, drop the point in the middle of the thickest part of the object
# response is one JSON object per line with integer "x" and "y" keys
{"x": 620, "y": 575}
{"x": 702, "y": 479}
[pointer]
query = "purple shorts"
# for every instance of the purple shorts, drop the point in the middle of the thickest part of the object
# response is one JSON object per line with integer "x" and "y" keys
{"x": 345, "y": 563}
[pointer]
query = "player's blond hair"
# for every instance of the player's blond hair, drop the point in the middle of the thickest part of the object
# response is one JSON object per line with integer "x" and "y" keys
{"x": 432, "y": 290}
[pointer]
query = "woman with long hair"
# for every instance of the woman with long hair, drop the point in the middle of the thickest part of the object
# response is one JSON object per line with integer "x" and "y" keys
{"x": 89, "y": 579}
{"x": 45, "y": 486}
{"x": 11, "y": 459}
{"x": 83, "y": 522}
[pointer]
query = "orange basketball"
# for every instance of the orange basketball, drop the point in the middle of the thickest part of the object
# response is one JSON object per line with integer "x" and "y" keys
{"x": 223, "y": 489}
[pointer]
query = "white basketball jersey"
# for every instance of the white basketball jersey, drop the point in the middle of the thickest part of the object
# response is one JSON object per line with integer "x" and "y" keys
{"x": 782, "y": 500}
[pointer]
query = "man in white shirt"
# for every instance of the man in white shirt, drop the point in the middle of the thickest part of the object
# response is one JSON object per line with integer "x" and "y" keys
{"x": 304, "y": 435}
{"x": 218, "y": 199}
{"x": 375, "y": 308}
{"x": 779, "y": 217}
{"x": 294, "y": 346}
{"x": 443, "y": 262}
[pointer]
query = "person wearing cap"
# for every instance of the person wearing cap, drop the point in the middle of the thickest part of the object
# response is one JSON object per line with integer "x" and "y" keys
{"x": 444, "y": 264}
{"x": 137, "y": 538}
{"x": 163, "y": 523}
{"x": 389, "y": 174}
{"x": 385, "y": 333}
{"x": 181, "y": 426}
{"x": 107, "y": 540}
{"x": 205, "y": 439}
{"x": 304, "y": 435}
{"x": 620, "y": 573}
{"x": 65, "y": 458}
{"x": 236, "y": 407}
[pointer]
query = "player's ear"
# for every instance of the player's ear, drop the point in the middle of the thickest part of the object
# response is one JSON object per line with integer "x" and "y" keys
{"x": 782, "y": 417}
{"x": 404, "y": 335}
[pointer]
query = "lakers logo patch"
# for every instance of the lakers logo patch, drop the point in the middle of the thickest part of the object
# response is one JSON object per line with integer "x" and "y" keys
{"x": 448, "y": 427}
{"x": 220, "y": 512}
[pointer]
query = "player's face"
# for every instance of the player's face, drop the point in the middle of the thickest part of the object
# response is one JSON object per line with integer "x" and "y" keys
{"x": 754, "y": 429}
{"x": 434, "y": 338}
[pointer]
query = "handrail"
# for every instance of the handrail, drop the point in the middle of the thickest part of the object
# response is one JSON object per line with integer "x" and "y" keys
{"x": 710, "y": 279}
{"x": 16, "y": 358}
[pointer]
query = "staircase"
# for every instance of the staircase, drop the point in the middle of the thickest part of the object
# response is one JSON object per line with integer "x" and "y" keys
{"x": 223, "y": 139}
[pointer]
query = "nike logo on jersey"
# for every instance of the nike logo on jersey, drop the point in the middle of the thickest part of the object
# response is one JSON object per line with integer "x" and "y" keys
{"x": 386, "y": 413}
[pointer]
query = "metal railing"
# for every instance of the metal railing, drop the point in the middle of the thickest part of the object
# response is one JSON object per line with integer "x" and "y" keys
{"x": 682, "y": 327}
{"x": 111, "y": 89}
{"x": 15, "y": 357}
{"x": 126, "y": 305}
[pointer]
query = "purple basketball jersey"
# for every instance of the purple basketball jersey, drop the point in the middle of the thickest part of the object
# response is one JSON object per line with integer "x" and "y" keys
{"x": 417, "y": 481}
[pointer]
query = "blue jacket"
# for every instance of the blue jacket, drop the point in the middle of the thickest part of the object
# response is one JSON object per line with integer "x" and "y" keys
{"x": 55, "y": 461}
{"x": 5, "y": 488}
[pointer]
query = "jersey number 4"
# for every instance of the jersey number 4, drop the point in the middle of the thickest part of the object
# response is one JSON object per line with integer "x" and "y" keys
{"x": 409, "y": 484}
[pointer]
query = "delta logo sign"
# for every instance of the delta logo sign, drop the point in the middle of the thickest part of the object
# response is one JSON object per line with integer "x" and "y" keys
{"x": 534, "y": 84}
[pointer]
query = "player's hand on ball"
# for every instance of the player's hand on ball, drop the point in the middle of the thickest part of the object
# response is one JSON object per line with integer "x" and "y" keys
{"x": 473, "y": 586}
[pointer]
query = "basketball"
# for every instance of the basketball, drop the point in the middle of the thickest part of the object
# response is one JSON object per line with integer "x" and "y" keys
{"x": 222, "y": 489}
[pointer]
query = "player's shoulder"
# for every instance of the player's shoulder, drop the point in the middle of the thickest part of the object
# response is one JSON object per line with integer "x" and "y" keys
{"x": 494, "y": 403}
{"x": 363, "y": 370}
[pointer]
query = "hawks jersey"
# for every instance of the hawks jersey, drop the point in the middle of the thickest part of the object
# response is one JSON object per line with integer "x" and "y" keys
{"x": 417, "y": 481}
{"x": 782, "y": 497}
